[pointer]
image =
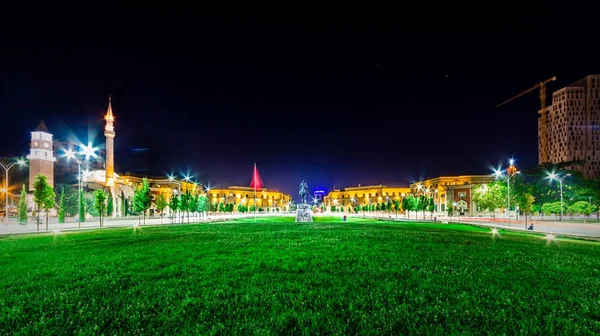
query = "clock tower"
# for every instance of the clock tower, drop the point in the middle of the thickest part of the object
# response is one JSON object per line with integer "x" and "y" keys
{"x": 41, "y": 155}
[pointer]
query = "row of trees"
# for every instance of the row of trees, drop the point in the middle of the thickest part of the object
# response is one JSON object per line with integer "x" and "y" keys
{"x": 533, "y": 192}
{"x": 407, "y": 204}
{"x": 98, "y": 203}
{"x": 187, "y": 204}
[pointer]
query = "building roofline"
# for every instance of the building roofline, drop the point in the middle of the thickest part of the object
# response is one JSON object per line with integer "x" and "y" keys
{"x": 41, "y": 127}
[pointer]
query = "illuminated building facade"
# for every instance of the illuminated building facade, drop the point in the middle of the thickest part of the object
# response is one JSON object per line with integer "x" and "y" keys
{"x": 270, "y": 200}
{"x": 456, "y": 190}
{"x": 363, "y": 195}
{"x": 573, "y": 126}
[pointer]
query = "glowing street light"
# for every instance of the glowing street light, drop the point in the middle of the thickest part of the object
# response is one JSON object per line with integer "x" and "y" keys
{"x": 173, "y": 180}
{"x": 7, "y": 167}
{"x": 510, "y": 172}
{"x": 553, "y": 176}
{"x": 89, "y": 151}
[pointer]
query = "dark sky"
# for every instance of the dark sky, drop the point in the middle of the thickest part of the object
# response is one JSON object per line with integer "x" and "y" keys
{"x": 364, "y": 101}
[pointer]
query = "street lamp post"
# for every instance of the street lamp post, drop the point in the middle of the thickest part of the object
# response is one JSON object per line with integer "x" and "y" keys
{"x": 560, "y": 180}
{"x": 85, "y": 154}
{"x": 510, "y": 172}
{"x": 7, "y": 167}
{"x": 71, "y": 155}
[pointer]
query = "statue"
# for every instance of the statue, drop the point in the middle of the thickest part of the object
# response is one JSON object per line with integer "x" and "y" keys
{"x": 303, "y": 211}
{"x": 303, "y": 192}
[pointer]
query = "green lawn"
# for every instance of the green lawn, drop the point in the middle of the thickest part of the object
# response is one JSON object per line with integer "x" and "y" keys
{"x": 279, "y": 277}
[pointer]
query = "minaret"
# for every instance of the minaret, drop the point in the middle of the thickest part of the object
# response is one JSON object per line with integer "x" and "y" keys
{"x": 109, "y": 133}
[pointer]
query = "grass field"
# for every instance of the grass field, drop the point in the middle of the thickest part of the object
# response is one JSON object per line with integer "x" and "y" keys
{"x": 279, "y": 277}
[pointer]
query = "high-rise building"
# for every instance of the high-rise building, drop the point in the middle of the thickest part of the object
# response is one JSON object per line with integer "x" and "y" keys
{"x": 572, "y": 126}
{"x": 41, "y": 155}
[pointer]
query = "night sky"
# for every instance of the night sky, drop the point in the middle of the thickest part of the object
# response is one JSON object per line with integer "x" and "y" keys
{"x": 337, "y": 104}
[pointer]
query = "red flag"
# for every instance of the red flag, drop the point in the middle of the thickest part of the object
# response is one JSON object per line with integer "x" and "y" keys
{"x": 256, "y": 180}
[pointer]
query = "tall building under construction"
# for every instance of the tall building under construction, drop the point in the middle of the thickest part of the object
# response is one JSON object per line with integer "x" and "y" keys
{"x": 572, "y": 126}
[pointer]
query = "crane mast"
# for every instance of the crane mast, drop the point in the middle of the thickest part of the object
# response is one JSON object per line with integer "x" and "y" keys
{"x": 544, "y": 155}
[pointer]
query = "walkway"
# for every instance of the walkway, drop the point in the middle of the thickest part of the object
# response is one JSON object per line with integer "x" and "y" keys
{"x": 554, "y": 227}
{"x": 539, "y": 226}
{"x": 13, "y": 227}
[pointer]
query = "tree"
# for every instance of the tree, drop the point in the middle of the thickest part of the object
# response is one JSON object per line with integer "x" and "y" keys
{"x": 332, "y": 208}
{"x": 23, "y": 206}
{"x": 70, "y": 203}
{"x": 161, "y": 204}
{"x": 553, "y": 208}
{"x": 100, "y": 203}
{"x": 123, "y": 204}
{"x": 221, "y": 207}
{"x": 61, "y": 206}
{"x": 48, "y": 202}
{"x": 81, "y": 206}
{"x": 410, "y": 203}
{"x": 525, "y": 202}
{"x": 43, "y": 196}
{"x": 173, "y": 205}
{"x": 241, "y": 208}
{"x": 90, "y": 207}
{"x": 406, "y": 205}
{"x": 193, "y": 206}
{"x": 450, "y": 208}
{"x": 397, "y": 206}
{"x": 184, "y": 203}
{"x": 203, "y": 204}
{"x": 39, "y": 186}
{"x": 490, "y": 197}
{"x": 431, "y": 205}
{"x": 110, "y": 207}
{"x": 142, "y": 198}
{"x": 582, "y": 207}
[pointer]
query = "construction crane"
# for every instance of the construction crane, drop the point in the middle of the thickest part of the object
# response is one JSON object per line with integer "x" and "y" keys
{"x": 544, "y": 157}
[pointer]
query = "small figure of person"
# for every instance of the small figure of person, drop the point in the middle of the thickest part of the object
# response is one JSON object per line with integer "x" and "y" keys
{"x": 345, "y": 218}
{"x": 530, "y": 227}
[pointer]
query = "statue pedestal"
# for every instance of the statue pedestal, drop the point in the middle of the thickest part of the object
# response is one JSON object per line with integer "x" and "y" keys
{"x": 303, "y": 213}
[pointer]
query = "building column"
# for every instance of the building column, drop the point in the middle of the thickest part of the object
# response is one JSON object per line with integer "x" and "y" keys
{"x": 113, "y": 194}
{"x": 471, "y": 204}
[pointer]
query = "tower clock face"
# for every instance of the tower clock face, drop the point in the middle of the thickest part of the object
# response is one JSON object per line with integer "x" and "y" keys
{"x": 35, "y": 144}
{"x": 46, "y": 145}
